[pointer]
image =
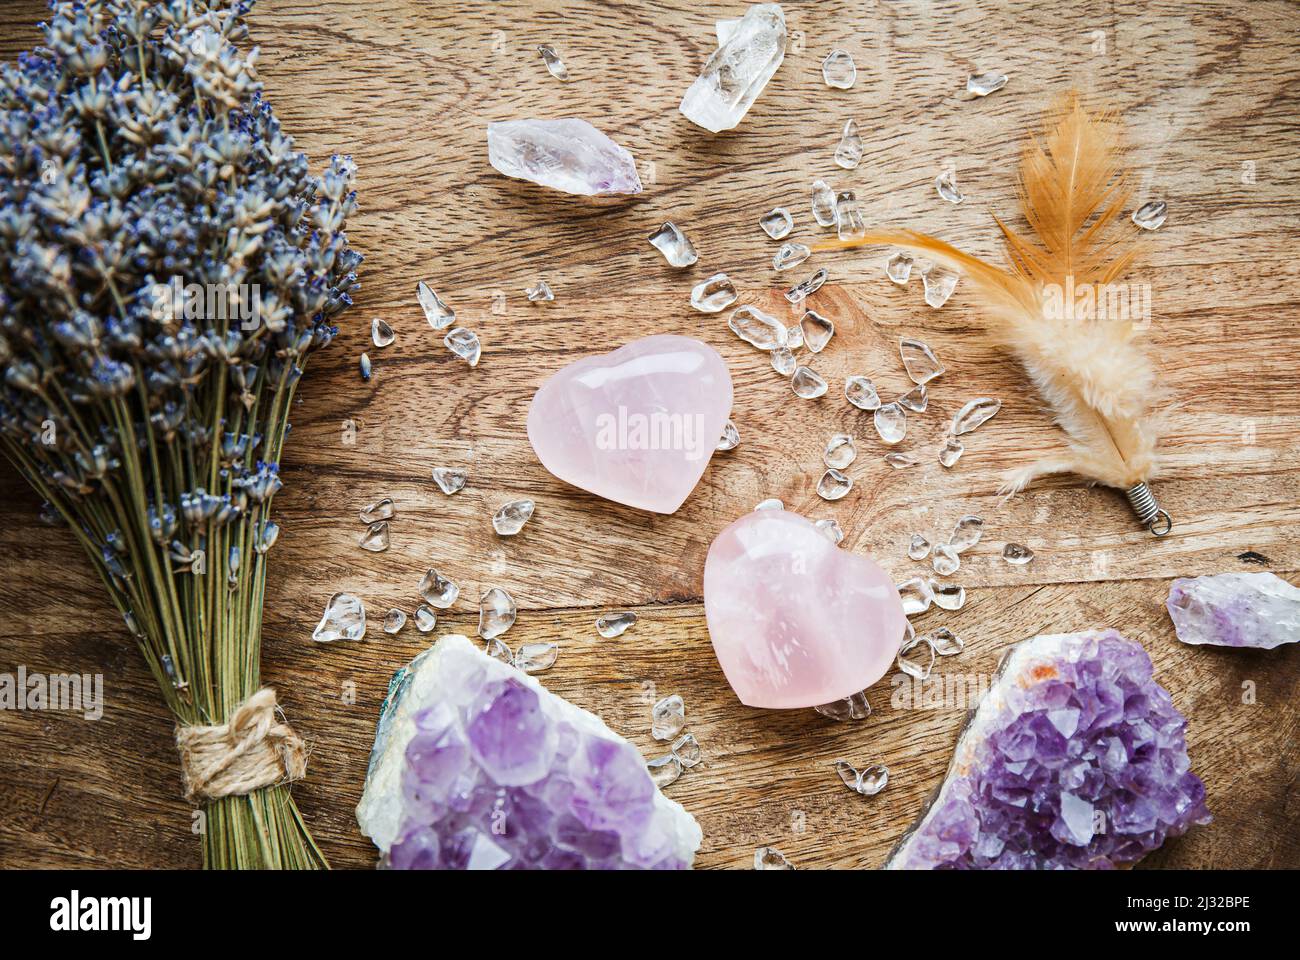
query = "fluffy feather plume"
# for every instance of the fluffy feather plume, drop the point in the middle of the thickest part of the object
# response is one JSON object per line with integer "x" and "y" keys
{"x": 1089, "y": 368}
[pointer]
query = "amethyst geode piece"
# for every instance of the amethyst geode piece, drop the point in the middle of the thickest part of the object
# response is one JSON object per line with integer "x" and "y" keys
{"x": 476, "y": 766}
{"x": 1236, "y": 610}
{"x": 1075, "y": 758}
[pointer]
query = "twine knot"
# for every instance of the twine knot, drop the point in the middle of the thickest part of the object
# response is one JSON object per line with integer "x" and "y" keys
{"x": 255, "y": 748}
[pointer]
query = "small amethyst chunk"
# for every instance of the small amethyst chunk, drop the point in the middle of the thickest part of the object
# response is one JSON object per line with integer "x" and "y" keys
{"x": 1236, "y": 610}
{"x": 1075, "y": 758}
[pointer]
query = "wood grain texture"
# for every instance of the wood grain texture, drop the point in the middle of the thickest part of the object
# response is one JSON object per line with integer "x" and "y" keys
{"x": 1209, "y": 92}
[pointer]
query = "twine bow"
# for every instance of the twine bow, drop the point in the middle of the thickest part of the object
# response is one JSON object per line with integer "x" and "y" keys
{"x": 255, "y": 748}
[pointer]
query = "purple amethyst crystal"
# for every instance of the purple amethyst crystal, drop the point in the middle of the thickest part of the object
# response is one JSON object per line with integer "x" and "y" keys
{"x": 1075, "y": 758}
{"x": 1236, "y": 610}
{"x": 476, "y": 766}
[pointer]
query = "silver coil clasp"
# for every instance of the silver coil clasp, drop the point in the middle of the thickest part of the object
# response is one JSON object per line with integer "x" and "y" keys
{"x": 1148, "y": 510}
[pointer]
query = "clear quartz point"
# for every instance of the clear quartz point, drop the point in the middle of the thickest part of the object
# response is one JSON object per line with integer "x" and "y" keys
{"x": 426, "y": 618}
{"x": 973, "y": 414}
{"x": 946, "y": 186}
{"x": 344, "y": 619}
{"x": 900, "y": 461}
{"x": 757, "y": 328}
{"x": 951, "y": 452}
{"x": 770, "y": 858}
{"x": 804, "y": 289}
{"x": 848, "y": 154}
{"x": 1151, "y": 215}
{"x": 667, "y": 718}
{"x": 939, "y": 284}
{"x": 1017, "y": 554}
{"x": 916, "y": 594}
{"x": 438, "y": 590}
{"x": 615, "y": 624}
{"x": 946, "y": 643}
{"x": 817, "y": 331}
{"x": 916, "y": 657}
{"x": 855, "y": 707}
{"x": 945, "y": 560}
{"x": 861, "y": 392}
{"x": 749, "y": 51}
{"x": 496, "y": 613}
{"x": 673, "y": 244}
{"x": 833, "y": 485}
{"x": 714, "y": 294}
{"x": 948, "y": 596}
{"x": 807, "y": 384}
{"x": 772, "y": 503}
{"x": 823, "y": 204}
{"x": 512, "y": 516}
{"x": 790, "y": 255}
{"x": 839, "y": 70}
{"x": 664, "y": 770}
{"x": 851, "y": 223}
{"x": 569, "y": 155}
{"x": 831, "y": 528}
{"x": 379, "y": 510}
{"x": 966, "y": 533}
{"x": 777, "y": 223}
{"x": 915, "y": 399}
{"x": 439, "y": 315}
{"x": 687, "y": 750}
{"x": 536, "y": 657}
{"x": 554, "y": 65}
{"x": 449, "y": 479}
{"x": 921, "y": 363}
{"x": 464, "y": 343}
{"x": 840, "y": 451}
{"x": 730, "y": 437}
{"x": 376, "y": 538}
{"x": 783, "y": 361}
{"x": 891, "y": 422}
{"x": 982, "y": 84}
{"x": 394, "y": 621}
{"x": 381, "y": 333}
{"x": 541, "y": 293}
{"x": 899, "y": 268}
{"x": 918, "y": 548}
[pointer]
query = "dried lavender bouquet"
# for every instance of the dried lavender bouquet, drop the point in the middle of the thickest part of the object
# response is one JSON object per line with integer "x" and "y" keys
{"x": 169, "y": 264}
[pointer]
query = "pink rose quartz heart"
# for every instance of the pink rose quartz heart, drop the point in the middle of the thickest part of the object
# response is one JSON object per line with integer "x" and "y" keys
{"x": 795, "y": 620}
{"x": 636, "y": 426}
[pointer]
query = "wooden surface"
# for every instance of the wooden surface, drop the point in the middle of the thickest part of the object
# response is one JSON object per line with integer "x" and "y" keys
{"x": 407, "y": 88}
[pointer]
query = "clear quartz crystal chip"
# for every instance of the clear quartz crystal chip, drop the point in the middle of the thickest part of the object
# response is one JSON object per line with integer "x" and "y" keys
{"x": 946, "y": 643}
{"x": 536, "y": 657}
{"x": 770, "y": 858}
{"x": 554, "y": 65}
{"x": 807, "y": 384}
{"x": 749, "y": 52}
{"x": 757, "y": 328}
{"x": 867, "y": 782}
{"x": 982, "y": 84}
{"x": 900, "y": 461}
{"x": 394, "y": 621}
{"x": 948, "y": 596}
{"x": 667, "y": 718}
{"x": 939, "y": 284}
{"x": 833, "y": 485}
{"x": 891, "y": 422}
{"x": 379, "y": 510}
{"x": 790, "y": 255}
{"x": 344, "y": 619}
{"x": 823, "y": 204}
{"x": 777, "y": 223}
{"x": 899, "y": 268}
{"x": 916, "y": 594}
{"x": 918, "y": 548}
{"x": 496, "y": 613}
{"x": 673, "y": 244}
{"x": 381, "y": 333}
{"x": 855, "y": 707}
{"x": 783, "y": 361}
{"x": 973, "y": 414}
{"x": 817, "y": 331}
{"x": 376, "y": 538}
{"x": 426, "y": 618}
{"x": 687, "y": 750}
{"x": 921, "y": 363}
{"x": 839, "y": 70}
{"x": 794, "y": 336}
{"x": 615, "y": 624}
{"x": 966, "y": 532}
{"x": 849, "y": 217}
{"x": 1151, "y": 215}
{"x": 540, "y": 293}
{"x": 730, "y": 437}
{"x": 498, "y": 649}
{"x": 439, "y": 315}
{"x": 945, "y": 560}
{"x": 840, "y": 451}
{"x": 951, "y": 452}
{"x": 714, "y": 294}
{"x": 772, "y": 503}
{"x": 438, "y": 590}
{"x": 848, "y": 154}
{"x": 1017, "y": 554}
{"x": 512, "y": 516}
{"x": 449, "y": 479}
{"x": 861, "y": 392}
{"x": 831, "y": 528}
{"x": 664, "y": 770}
{"x": 946, "y": 186}
{"x": 804, "y": 289}
{"x": 915, "y": 399}
{"x": 464, "y": 343}
{"x": 916, "y": 657}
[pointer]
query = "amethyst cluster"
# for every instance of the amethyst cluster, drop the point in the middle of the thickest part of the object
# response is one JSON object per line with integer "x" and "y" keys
{"x": 1074, "y": 759}
{"x": 476, "y": 766}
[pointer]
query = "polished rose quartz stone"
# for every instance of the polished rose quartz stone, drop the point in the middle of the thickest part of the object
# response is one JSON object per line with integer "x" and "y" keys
{"x": 636, "y": 426}
{"x": 795, "y": 620}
